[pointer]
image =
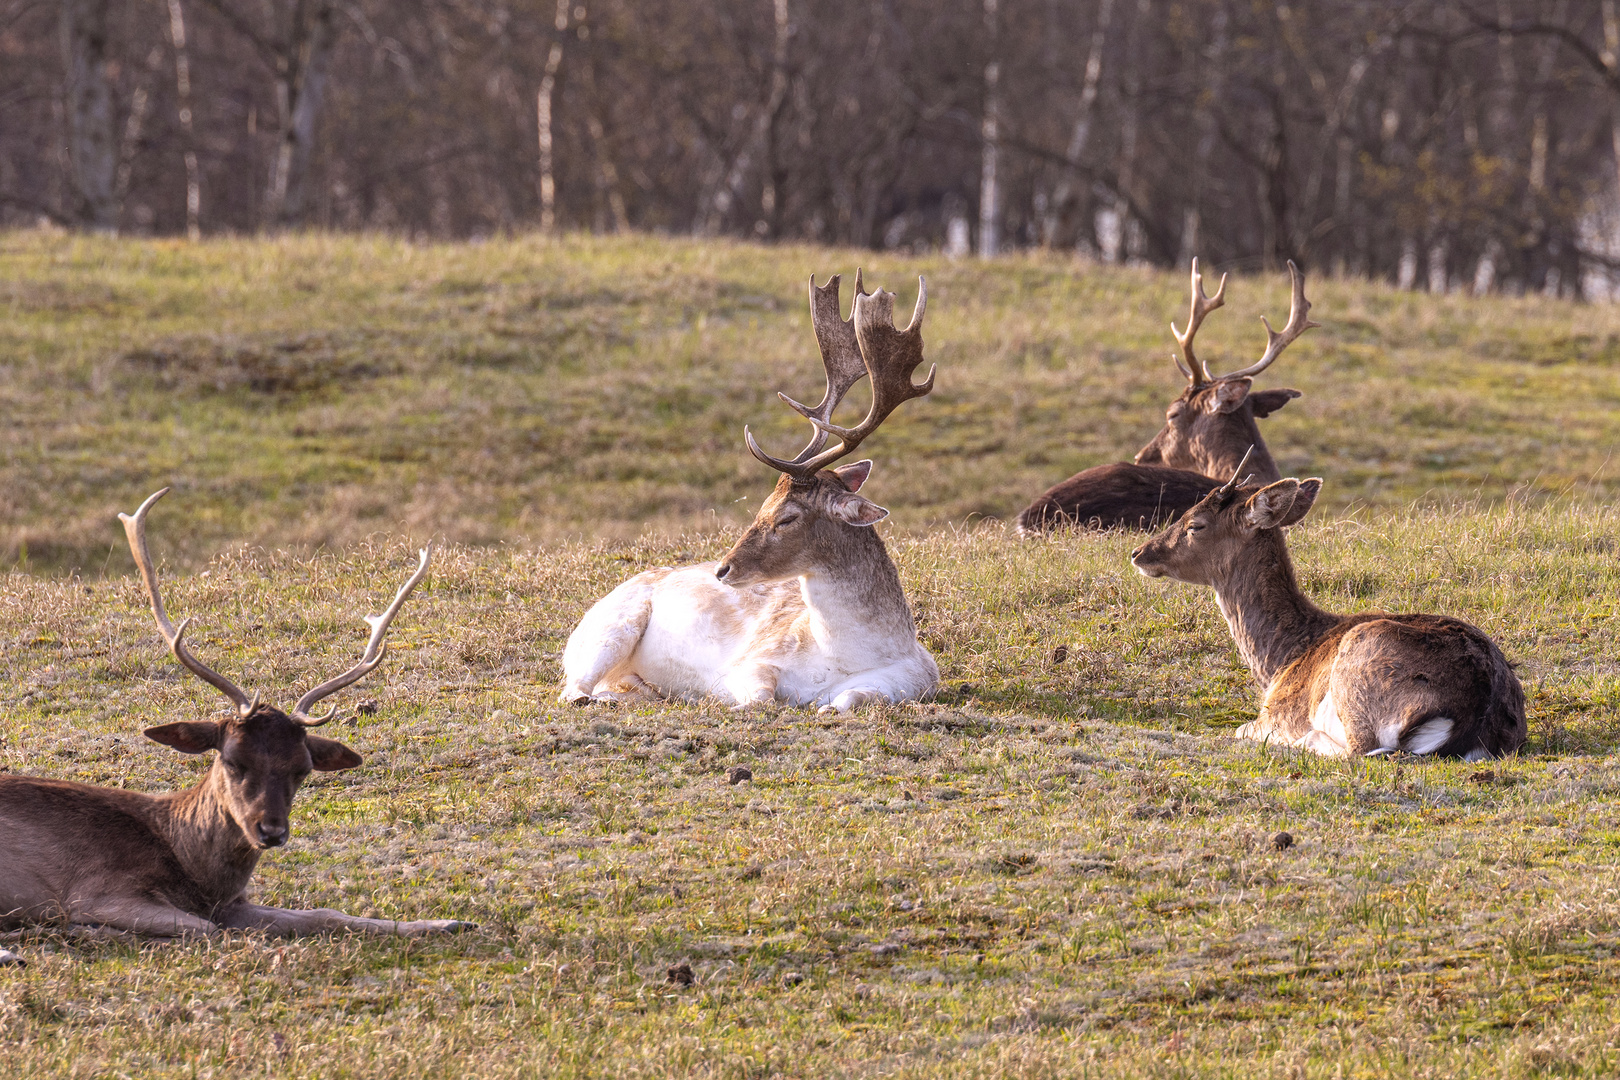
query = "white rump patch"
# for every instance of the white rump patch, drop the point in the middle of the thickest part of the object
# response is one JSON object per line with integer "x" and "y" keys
{"x": 1327, "y": 726}
{"x": 1429, "y": 736}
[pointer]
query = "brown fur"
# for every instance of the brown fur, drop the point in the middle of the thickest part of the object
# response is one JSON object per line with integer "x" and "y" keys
{"x": 805, "y": 526}
{"x": 1383, "y": 677}
{"x": 1207, "y": 431}
{"x": 194, "y": 850}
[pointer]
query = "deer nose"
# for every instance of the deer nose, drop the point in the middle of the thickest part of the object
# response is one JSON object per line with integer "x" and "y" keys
{"x": 1135, "y": 554}
{"x": 721, "y": 571}
{"x": 272, "y": 835}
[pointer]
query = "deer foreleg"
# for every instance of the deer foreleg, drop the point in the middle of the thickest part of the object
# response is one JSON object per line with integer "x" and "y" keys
{"x": 905, "y": 681}
{"x": 284, "y": 922}
{"x": 753, "y": 685}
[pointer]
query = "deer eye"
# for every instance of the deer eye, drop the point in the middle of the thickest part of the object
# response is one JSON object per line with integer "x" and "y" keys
{"x": 1194, "y": 526}
{"x": 786, "y": 518}
{"x": 233, "y": 768}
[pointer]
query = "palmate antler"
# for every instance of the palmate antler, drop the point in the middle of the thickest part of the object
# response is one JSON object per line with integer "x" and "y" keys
{"x": 1197, "y": 374}
{"x": 135, "y": 530}
{"x": 870, "y": 339}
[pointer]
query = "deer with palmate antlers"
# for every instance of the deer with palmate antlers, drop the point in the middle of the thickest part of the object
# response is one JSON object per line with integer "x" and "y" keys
{"x": 179, "y": 863}
{"x": 1337, "y": 684}
{"x": 807, "y": 607}
{"x": 1206, "y": 431}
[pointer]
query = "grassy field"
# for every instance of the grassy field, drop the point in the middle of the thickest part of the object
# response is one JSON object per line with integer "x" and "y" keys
{"x": 1058, "y": 868}
{"x": 314, "y": 391}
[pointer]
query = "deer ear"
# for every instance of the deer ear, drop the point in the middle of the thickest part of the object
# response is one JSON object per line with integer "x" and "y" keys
{"x": 187, "y": 736}
{"x": 1308, "y": 491}
{"x": 1268, "y": 507}
{"x": 1228, "y": 394}
{"x": 1267, "y": 402}
{"x": 329, "y": 755}
{"x": 854, "y": 474}
{"x": 852, "y": 509}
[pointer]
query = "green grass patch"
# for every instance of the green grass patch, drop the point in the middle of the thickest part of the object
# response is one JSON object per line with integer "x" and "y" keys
{"x": 1061, "y": 867}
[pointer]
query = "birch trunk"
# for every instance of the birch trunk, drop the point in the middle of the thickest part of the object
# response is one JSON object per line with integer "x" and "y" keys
{"x": 1081, "y": 137}
{"x": 182, "y": 86}
{"x": 548, "y": 87}
{"x": 990, "y": 139}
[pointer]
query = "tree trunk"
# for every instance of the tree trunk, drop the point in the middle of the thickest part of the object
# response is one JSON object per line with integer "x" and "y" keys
{"x": 304, "y": 63}
{"x": 1081, "y": 136}
{"x": 548, "y": 87}
{"x": 182, "y": 89}
{"x": 990, "y": 138}
{"x": 1209, "y": 103}
{"x": 92, "y": 133}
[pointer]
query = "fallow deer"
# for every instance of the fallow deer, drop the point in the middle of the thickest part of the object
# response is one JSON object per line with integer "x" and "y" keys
{"x": 807, "y": 607}
{"x": 1206, "y": 430}
{"x": 179, "y": 863}
{"x": 1366, "y": 684}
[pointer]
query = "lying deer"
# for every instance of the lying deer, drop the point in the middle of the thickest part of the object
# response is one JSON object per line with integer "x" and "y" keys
{"x": 1336, "y": 684}
{"x": 179, "y": 863}
{"x": 807, "y": 606}
{"x": 1206, "y": 430}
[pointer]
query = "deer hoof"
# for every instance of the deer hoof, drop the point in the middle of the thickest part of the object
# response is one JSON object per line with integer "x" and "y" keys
{"x": 9, "y": 958}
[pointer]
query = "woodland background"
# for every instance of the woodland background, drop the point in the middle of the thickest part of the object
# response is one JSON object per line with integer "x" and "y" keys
{"x": 1439, "y": 144}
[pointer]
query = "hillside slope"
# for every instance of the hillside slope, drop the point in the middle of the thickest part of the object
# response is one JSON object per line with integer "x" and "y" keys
{"x": 315, "y": 390}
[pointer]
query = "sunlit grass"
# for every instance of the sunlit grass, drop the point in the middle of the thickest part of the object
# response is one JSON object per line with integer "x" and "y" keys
{"x": 1060, "y": 868}
{"x": 314, "y": 390}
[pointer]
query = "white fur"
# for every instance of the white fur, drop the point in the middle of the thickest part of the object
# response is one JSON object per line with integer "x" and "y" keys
{"x": 1322, "y": 743}
{"x": 1327, "y": 729}
{"x": 1429, "y": 736}
{"x": 684, "y": 634}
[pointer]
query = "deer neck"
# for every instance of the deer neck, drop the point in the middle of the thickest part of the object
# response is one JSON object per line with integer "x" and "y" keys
{"x": 853, "y": 597}
{"x": 211, "y": 847}
{"x": 1271, "y": 620}
{"x": 1222, "y": 460}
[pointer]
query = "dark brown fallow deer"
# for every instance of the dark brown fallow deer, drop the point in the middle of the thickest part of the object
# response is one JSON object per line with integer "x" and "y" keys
{"x": 179, "y": 863}
{"x": 807, "y": 607}
{"x": 1206, "y": 431}
{"x": 1340, "y": 685}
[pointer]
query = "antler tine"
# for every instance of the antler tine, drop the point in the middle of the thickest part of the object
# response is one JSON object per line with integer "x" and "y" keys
{"x": 840, "y": 355}
{"x": 1298, "y": 309}
{"x": 1197, "y": 374}
{"x": 135, "y": 530}
{"x": 1231, "y": 485}
{"x": 371, "y": 657}
{"x": 890, "y": 355}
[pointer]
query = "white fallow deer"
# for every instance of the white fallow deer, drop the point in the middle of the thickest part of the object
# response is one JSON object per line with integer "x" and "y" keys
{"x": 179, "y": 863}
{"x": 807, "y": 607}
{"x": 1340, "y": 685}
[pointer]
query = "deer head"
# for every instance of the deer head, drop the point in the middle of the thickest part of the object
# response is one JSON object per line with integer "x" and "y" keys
{"x": 807, "y": 520}
{"x": 264, "y": 754}
{"x": 1209, "y": 426}
{"x": 1205, "y": 545}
